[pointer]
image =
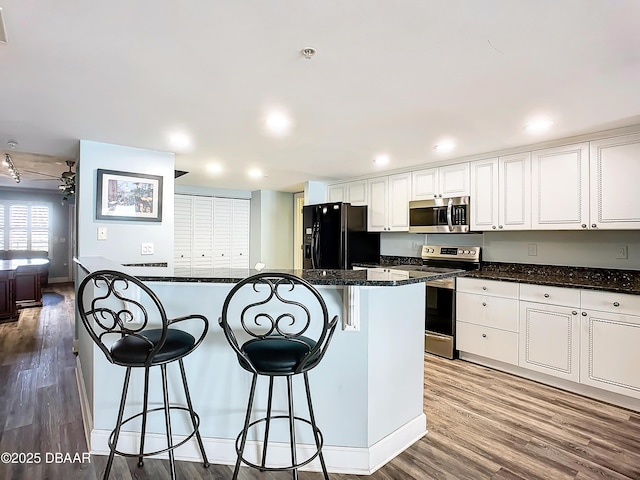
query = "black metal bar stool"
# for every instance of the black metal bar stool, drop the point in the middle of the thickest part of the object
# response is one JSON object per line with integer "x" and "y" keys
{"x": 280, "y": 340}
{"x": 116, "y": 314}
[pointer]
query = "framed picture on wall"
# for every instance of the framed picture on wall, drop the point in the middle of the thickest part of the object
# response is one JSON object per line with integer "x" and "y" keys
{"x": 128, "y": 196}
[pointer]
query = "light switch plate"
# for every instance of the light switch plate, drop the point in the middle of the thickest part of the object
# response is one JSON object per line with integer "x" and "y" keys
{"x": 102, "y": 233}
{"x": 147, "y": 249}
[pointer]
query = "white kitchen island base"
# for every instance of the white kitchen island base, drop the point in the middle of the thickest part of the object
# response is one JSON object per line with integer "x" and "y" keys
{"x": 367, "y": 391}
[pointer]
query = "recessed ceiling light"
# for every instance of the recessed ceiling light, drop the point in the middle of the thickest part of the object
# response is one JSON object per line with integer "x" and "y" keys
{"x": 180, "y": 140}
{"x": 381, "y": 159}
{"x": 278, "y": 123}
{"x": 214, "y": 168}
{"x": 255, "y": 173}
{"x": 539, "y": 125}
{"x": 445, "y": 146}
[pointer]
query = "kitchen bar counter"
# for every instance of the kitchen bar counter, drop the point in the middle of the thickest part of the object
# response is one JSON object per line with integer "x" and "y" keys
{"x": 367, "y": 391}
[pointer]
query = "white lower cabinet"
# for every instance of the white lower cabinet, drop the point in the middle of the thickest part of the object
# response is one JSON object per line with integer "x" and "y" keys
{"x": 487, "y": 319}
{"x": 550, "y": 339}
{"x": 610, "y": 343}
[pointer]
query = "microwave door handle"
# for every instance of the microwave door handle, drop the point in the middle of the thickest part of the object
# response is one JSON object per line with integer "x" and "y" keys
{"x": 449, "y": 209}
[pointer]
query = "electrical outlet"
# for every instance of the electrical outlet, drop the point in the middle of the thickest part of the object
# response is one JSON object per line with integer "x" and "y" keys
{"x": 621, "y": 252}
{"x": 533, "y": 249}
{"x": 147, "y": 249}
{"x": 102, "y": 233}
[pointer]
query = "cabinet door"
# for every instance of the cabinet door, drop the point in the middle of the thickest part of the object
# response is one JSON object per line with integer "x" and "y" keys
{"x": 560, "y": 188}
{"x": 484, "y": 195}
{"x": 202, "y": 252}
{"x": 399, "y": 195}
{"x": 453, "y": 180}
{"x": 614, "y": 172}
{"x": 610, "y": 353}
{"x": 356, "y": 192}
{"x": 183, "y": 230}
{"x": 514, "y": 177}
{"x": 550, "y": 340}
{"x": 424, "y": 184}
{"x": 378, "y": 203}
{"x": 240, "y": 234}
{"x": 335, "y": 193}
{"x": 222, "y": 226}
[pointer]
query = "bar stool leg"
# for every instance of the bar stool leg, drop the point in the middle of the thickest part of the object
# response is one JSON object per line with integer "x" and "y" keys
{"x": 313, "y": 423}
{"x": 191, "y": 412}
{"x": 167, "y": 420}
{"x": 116, "y": 433}
{"x": 268, "y": 422}
{"x": 144, "y": 416}
{"x": 292, "y": 428}
{"x": 245, "y": 430}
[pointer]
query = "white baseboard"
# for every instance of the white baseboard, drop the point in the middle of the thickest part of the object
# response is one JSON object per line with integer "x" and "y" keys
{"x": 348, "y": 460}
{"x": 87, "y": 420}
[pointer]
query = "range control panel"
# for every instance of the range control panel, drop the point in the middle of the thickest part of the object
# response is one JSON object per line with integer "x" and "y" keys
{"x": 463, "y": 254}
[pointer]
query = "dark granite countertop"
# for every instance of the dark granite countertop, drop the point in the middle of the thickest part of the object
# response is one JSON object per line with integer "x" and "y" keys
{"x": 623, "y": 281}
{"x": 367, "y": 277}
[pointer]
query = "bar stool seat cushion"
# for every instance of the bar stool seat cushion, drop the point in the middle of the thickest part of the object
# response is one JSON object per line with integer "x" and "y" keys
{"x": 133, "y": 351}
{"x": 277, "y": 355}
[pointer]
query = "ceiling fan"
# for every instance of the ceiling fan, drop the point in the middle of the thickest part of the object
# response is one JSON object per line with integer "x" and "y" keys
{"x": 67, "y": 179}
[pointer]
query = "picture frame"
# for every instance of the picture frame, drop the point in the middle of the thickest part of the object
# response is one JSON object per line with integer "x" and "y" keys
{"x": 128, "y": 196}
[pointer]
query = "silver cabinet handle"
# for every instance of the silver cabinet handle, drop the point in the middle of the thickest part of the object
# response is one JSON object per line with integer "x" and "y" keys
{"x": 574, "y": 313}
{"x": 584, "y": 225}
{"x": 500, "y": 226}
{"x": 593, "y": 225}
{"x": 546, "y": 295}
{"x": 484, "y": 304}
{"x": 584, "y": 314}
{"x": 484, "y": 288}
{"x": 616, "y": 304}
{"x": 493, "y": 226}
{"x": 484, "y": 335}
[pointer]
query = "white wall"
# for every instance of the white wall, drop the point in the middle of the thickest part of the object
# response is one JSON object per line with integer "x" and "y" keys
{"x": 271, "y": 239}
{"x": 124, "y": 238}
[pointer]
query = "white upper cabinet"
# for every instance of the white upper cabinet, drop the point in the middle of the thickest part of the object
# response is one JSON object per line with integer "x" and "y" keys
{"x": 183, "y": 230}
{"x": 354, "y": 193}
{"x": 202, "y": 252}
{"x": 446, "y": 182}
{"x": 336, "y": 193}
{"x": 560, "y": 188}
{"x": 614, "y": 174}
{"x": 501, "y": 193}
{"x": 389, "y": 203}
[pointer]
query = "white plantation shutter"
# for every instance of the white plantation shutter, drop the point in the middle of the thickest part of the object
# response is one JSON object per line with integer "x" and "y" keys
{"x": 24, "y": 226}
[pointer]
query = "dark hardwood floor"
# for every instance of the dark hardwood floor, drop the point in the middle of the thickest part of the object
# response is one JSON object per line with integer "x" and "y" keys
{"x": 483, "y": 424}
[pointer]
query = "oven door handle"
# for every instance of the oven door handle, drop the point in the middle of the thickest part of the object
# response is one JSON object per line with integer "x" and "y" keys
{"x": 449, "y": 210}
{"x": 447, "y": 283}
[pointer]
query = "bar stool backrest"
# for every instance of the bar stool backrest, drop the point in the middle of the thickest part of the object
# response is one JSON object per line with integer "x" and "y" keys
{"x": 285, "y": 307}
{"x": 114, "y": 305}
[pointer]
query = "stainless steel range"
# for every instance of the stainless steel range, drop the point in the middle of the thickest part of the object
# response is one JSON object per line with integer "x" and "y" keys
{"x": 440, "y": 315}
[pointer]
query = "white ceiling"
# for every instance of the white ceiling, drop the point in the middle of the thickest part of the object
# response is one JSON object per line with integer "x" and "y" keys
{"x": 393, "y": 76}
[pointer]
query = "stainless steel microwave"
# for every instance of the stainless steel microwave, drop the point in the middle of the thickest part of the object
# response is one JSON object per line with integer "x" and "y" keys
{"x": 440, "y": 215}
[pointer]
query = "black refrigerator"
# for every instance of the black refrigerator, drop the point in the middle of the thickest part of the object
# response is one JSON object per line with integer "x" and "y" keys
{"x": 335, "y": 236}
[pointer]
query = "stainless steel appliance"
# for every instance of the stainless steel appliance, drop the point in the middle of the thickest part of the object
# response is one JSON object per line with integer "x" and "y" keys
{"x": 335, "y": 236}
{"x": 441, "y": 215}
{"x": 440, "y": 315}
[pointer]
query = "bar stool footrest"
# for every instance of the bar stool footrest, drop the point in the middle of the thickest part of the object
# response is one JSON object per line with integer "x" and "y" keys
{"x": 264, "y": 468}
{"x": 158, "y": 452}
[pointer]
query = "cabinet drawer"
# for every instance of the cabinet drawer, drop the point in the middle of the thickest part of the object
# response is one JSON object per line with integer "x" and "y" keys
{"x": 487, "y": 342}
{"x": 622, "y": 303}
{"x": 569, "y": 297}
{"x": 487, "y": 287}
{"x": 496, "y": 312}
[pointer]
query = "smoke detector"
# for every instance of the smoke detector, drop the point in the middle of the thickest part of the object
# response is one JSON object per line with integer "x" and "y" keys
{"x": 12, "y": 144}
{"x": 3, "y": 30}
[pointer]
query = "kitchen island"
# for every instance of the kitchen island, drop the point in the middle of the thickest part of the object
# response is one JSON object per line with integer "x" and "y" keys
{"x": 367, "y": 391}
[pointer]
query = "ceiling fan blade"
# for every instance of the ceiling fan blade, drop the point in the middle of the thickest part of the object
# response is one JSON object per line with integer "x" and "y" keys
{"x": 43, "y": 174}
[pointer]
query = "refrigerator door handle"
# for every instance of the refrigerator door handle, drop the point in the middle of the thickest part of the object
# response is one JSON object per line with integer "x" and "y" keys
{"x": 314, "y": 245}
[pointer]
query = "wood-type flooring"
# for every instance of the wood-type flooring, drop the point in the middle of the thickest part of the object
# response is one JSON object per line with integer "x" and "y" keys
{"x": 483, "y": 424}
